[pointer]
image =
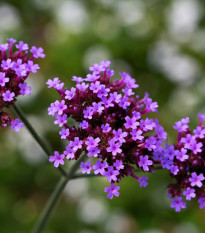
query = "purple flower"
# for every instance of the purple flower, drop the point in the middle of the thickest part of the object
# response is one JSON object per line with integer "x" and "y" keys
{"x": 11, "y": 40}
{"x": 69, "y": 152}
{"x": 70, "y": 94}
{"x": 112, "y": 191}
{"x": 93, "y": 151}
{"x": 7, "y": 64}
{"x": 136, "y": 134}
{"x": 76, "y": 144}
{"x": 92, "y": 77}
{"x": 189, "y": 193}
{"x": 24, "y": 89}
{"x": 96, "y": 68}
{"x": 3, "y": 79}
{"x": 145, "y": 162}
{"x": 100, "y": 167}
{"x": 196, "y": 147}
{"x": 182, "y": 125}
{"x": 8, "y": 96}
{"x": 55, "y": 83}
{"x": 181, "y": 155}
{"x": 16, "y": 125}
{"x": 57, "y": 159}
{"x": 118, "y": 165}
{"x": 92, "y": 142}
{"x": 115, "y": 97}
{"x": 103, "y": 92}
{"x": 4, "y": 47}
{"x": 77, "y": 79}
{"x": 143, "y": 181}
{"x": 201, "y": 202}
{"x": 114, "y": 147}
{"x": 37, "y": 52}
{"x": 32, "y": 67}
{"x": 174, "y": 169}
{"x": 111, "y": 174}
{"x": 61, "y": 120}
{"x": 150, "y": 143}
{"x": 22, "y": 46}
{"x": 95, "y": 87}
{"x": 97, "y": 107}
{"x": 84, "y": 124}
{"x": 177, "y": 204}
{"x": 52, "y": 109}
{"x": 82, "y": 87}
{"x": 131, "y": 123}
{"x": 86, "y": 167}
{"x": 119, "y": 135}
{"x": 60, "y": 106}
{"x": 64, "y": 133}
{"x": 88, "y": 112}
{"x": 106, "y": 128}
{"x": 195, "y": 179}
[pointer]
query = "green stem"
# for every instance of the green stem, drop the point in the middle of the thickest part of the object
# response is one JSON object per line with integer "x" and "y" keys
{"x": 41, "y": 143}
{"x": 50, "y": 206}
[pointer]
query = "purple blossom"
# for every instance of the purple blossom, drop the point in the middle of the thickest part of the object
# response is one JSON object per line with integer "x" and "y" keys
{"x": 55, "y": 83}
{"x": 147, "y": 124}
{"x": 24, "y": 89}
{"x": 195, "y": 180}
{"x": 86, "y": 167}
{"x": 92, "y": 77}
{"x": 76, "y": 144}
{"x": 115, "y": 97}
{"x": 119, "y": 135}
{"x": 189, "y": 193}
{"x": 52, "y": 109}
{"x": 150, "y": 143}
{"x": 100, "y": 167}
{"x": 111, "y": 174}
{"x": 201, "y": 202}
{"x": 124, "y": 102}
{"x": 96, "y": 68}
{"x": 95, "y": 87}
{"x": 174, "y": 169}
{"x": 16, "y": 125}
{"x": 61, "y": 120}
{"x": 103, "y": 92}
{"x": 77, "y": 79}
{"x": 3, "y": 79}
{"x": 182, "y": 125}
{"x": 178, "y": 204}
{"x": 131, "y": 123}
{"x": 37, "y": 52}
{"x": 118, "y": 165}
{"x": 136, "y": 134}
{"x": 196, "y": 147}
{"x": 181, "y": 155}
{"x": 22, "y": 46}
{"x": 92, "y": 142}
{"x": 143, "y": 181}
{"x": 97, "y": 107}
{"x": 84, "y": 124}
{"x": 7, "y": 64}
{"x": 8, "y": 96}
{"x": 112, "y": 191}
{"x": 114, "y": 147}
{"x": 93, "y": 151}
{"x": 32, "y": 67}
{"x": 88, "y": 113}
{"x": 64, "y": 133}
{"x": 106, "y": 128}
{"x": 60, "y": 106}
{"x": 11, "y": 40}
{"x": 69, "y": 152}
{"x": 70, "y": 94}
{"x": 4, "y": 47}
{"x": 188, "y": 141}
{"x": 82, "y": 86}
{"x": 145, "y": 162}
{"x": 57, "y": 159}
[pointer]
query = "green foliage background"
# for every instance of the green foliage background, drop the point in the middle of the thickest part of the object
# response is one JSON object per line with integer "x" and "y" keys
{"x": 162, "y": 45}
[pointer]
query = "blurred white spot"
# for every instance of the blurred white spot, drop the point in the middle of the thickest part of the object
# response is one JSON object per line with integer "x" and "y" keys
{"x": 186, "y": 227}
{"x": 76, "y": 188}
{"x": 183, "y": 18}
{"x": 197, "y": 42}
{"x": 119, "y": 222}
{"x": 92, "y": 211}
{"x": 129, "y": 12}
{"x": 182, "y": 101}
{"x": 72, "y": 16}
{"x": 175, "y": 66}
{"x": 9, "y": 17}
{"x": 95, "y": 54}
{"x": 23, "y": 140}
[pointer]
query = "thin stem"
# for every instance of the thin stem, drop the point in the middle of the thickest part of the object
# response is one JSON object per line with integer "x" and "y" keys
{"x": 41, "y": 143}
{"x": 51, "y": 204}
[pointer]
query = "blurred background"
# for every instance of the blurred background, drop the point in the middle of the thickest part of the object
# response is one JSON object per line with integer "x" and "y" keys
{"x": 162, "y": 45}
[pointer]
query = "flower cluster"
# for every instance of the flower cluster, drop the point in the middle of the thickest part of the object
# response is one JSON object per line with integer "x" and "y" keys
{"x": 110, "y": 125}
{"x": 186, "y": 162}
{"x": 14, "y": 70}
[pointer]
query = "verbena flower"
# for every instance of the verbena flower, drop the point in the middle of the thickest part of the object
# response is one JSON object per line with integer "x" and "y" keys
{"x": 110, "y": 125}
{"x": 186, "y": 163}
{"x": 15, "y": 67}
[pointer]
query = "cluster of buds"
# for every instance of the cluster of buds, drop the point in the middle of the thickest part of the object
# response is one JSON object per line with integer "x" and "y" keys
{"x": 14, "y": 70}
{"x": 110, "y": 125}
{"x": 185, "y": 162}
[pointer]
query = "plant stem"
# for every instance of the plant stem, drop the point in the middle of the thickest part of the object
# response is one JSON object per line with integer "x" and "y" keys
{"x": 41, "y": 143}
{"x": 50, "y": 206}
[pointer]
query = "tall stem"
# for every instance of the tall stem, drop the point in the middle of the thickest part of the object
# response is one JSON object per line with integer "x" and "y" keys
{"x": 41, "y": 143}
{"x": 50, "y": 206}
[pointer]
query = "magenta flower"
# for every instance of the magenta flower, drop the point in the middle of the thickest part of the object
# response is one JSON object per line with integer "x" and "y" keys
{"x": 86, "y": 167}
{"x": 189, "y": 193}
{"x": 178, "y": 204}
{"x": 111, "y": 125}
{"x": 16, "y": 125}
{"x": 57, "y": 159}
{"x": 196, "y": 180}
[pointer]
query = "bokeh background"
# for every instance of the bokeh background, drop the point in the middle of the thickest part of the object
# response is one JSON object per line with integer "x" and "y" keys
{"x": 162, "y": 45}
